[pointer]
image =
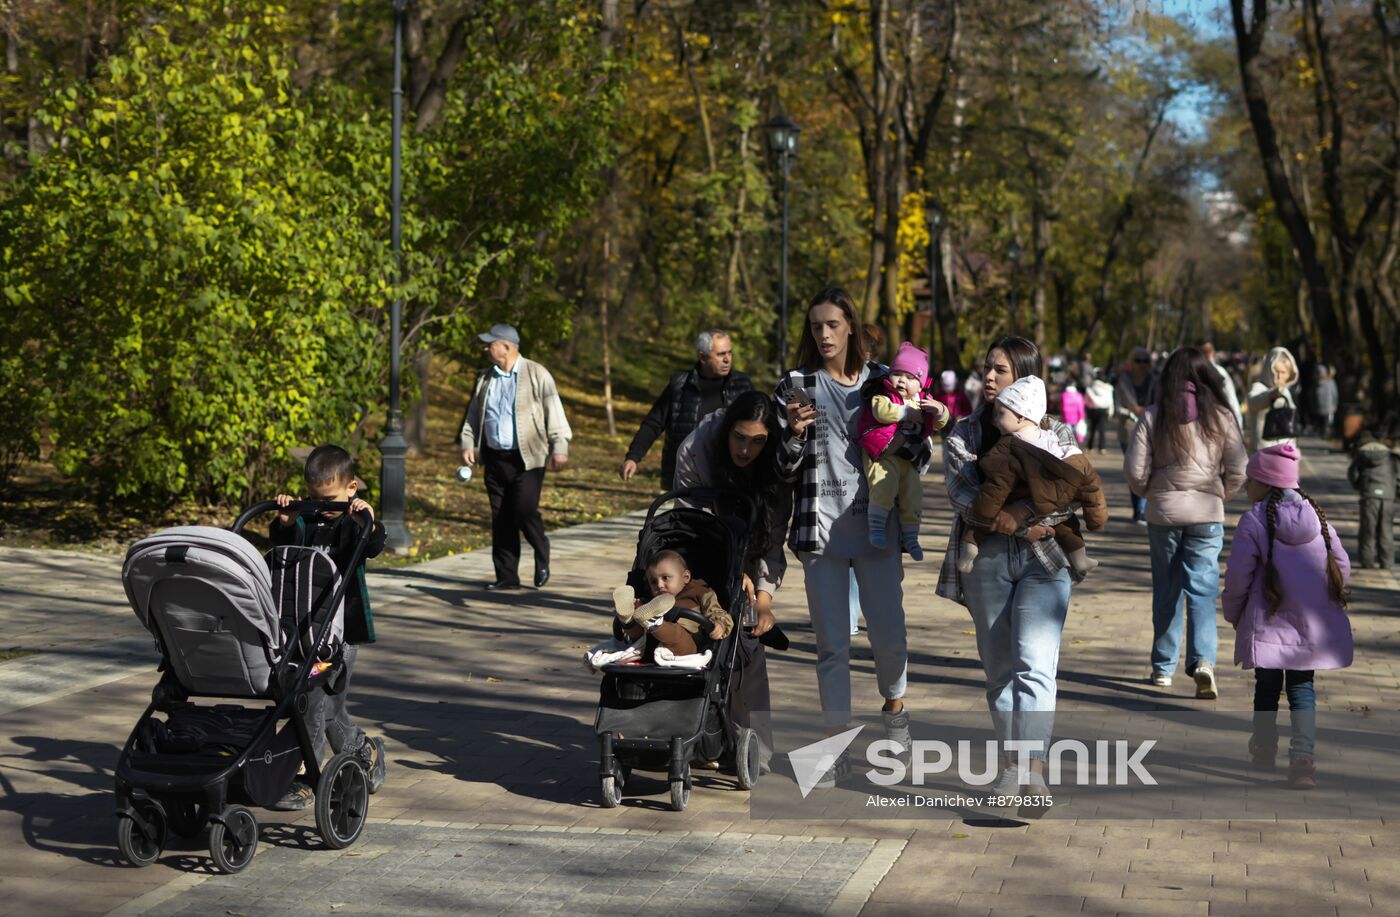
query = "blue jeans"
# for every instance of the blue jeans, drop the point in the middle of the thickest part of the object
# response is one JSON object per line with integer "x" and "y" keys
{"x": 855, "y": 602}
{"x": 327, "y": 717}
{"x": 1019, "y": 612}
{"x": 1139, "y": 503}
{"x": 1302, "y": 708}
{"x": 880, "y": 583}
{"x": 1185, "y": 561}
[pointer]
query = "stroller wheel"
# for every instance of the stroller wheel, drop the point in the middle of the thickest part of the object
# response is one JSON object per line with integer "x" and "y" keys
{"x": 746, "y": 758}
{"x": 680, "y": 791}
{"x": 342, "y": 801}
{"x": 612, "y": 789}
{"x": 138, "y": 846}
{"x": 233, "y": 839}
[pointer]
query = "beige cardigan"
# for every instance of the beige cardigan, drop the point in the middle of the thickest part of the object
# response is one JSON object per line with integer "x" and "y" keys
{"x": 1190, "y": 489}
{"x": 541, "y": 429}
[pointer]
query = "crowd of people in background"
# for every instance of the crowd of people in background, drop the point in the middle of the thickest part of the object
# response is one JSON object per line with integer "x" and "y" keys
{"x": 1195, "y": 426}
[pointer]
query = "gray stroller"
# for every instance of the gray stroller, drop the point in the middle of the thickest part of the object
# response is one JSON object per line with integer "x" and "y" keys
{"x": 230, "y": 623}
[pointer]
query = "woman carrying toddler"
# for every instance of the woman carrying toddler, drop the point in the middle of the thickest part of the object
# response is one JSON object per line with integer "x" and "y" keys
{"x": 1017, "y": 591}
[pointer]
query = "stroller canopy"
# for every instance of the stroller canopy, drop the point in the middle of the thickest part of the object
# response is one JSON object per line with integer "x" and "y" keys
{"x": 206, "y": 594}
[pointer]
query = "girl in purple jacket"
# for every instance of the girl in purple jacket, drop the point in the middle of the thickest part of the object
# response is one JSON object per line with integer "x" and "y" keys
{"x": 1286, "y": 596}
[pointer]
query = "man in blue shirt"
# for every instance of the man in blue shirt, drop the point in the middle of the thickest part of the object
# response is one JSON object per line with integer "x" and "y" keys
{"x": 515, "y": 426}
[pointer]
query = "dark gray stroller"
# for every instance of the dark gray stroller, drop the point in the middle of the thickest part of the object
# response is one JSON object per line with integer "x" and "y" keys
{"x": 657, "y": 718}
{"x": 230, "y": 624}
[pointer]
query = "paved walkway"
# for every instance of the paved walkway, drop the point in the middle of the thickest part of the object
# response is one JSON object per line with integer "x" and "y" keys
{"x": 490, "y": 805}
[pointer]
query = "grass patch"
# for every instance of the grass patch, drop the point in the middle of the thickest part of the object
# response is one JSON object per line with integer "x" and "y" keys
{"x": 15, "y": 652}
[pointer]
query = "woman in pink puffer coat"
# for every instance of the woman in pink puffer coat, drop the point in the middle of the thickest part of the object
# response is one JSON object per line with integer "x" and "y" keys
{"x": 1285, "y": 595}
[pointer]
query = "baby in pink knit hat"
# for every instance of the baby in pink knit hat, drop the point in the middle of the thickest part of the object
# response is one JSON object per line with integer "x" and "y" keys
{"x": 900, "y": 412}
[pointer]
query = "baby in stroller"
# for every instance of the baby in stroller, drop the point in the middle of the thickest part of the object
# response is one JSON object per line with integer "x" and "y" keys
{"x": 665, "y": 712}
{"x": 673, "y": 587}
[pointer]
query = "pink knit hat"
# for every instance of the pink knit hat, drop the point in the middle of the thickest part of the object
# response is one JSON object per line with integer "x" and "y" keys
{"x": 912, "y": 360}
{"x": 1276, "y": 466}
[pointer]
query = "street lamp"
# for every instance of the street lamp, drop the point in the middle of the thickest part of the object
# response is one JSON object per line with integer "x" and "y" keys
{"x": 934, "y": 216}
{"x": 1013, "y": 254}
{"x": 782, "y": 150}
{"x": 393, "y": 448}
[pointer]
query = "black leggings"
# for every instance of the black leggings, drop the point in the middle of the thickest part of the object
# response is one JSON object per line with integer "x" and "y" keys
{"x": 1098, "y": 426}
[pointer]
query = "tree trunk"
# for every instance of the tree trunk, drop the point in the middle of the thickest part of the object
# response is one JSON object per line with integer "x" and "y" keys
{"x": 606, "y": 37}
{"x": 1249, "y": 39}
{"x": 416, "y": 428}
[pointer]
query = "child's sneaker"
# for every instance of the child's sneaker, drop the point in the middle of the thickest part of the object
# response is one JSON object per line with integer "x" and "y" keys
{"x": 371, "y": 751}
{"x": 909, "y": 541}
{"x": 967, "y": 556}
{"x": 297, "y": 798}
{"x": 624, "y": 598}
{"x": 1263, "y": 755}
{"x": 1204, "y": 675}
{"x": 839, "y": 772}
{"x": 1302, "y": 773}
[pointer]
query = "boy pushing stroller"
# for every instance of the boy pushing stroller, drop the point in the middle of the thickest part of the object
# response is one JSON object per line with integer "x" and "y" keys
{"x": 330, "y": 476}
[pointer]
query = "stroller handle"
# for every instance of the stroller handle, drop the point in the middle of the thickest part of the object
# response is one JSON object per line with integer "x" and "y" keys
{"x": 303, "y": 508}
{"x": 309, "y": 508}
{"x": 711, "y": 495}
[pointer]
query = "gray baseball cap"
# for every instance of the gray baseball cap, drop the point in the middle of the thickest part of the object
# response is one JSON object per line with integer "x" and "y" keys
{"x": 501, "y": 332}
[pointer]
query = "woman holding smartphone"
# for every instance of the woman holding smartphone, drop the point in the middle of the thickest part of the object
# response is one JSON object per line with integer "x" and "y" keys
{"x": 821, "y": 402}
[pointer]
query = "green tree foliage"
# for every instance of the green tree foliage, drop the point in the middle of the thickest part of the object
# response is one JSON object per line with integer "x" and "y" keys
{"x": 196, "y": 264}
{"x": 190, "y": 272}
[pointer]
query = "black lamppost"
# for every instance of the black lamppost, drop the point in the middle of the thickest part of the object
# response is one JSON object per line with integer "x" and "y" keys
{"x": 393, "y": 447}
{"x": 934, "y": 215}
{"x": 782, "y": 150}
{"x": 1013, "y": 254}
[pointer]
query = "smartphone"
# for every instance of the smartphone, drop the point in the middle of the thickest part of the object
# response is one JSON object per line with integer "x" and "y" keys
{"x": 802, "y": 399}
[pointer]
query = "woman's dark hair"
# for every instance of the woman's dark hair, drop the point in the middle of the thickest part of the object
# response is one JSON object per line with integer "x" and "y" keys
{"x": 762, "y": 478}
{"x": 1025, "y": 360}
{"x": 874, "y": 341}
{"x": 1189, "y": 367}
{"x": 809, "y": 356}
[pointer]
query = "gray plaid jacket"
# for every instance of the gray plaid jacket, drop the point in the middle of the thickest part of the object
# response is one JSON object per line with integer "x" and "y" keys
{"x": 962, "y": 479}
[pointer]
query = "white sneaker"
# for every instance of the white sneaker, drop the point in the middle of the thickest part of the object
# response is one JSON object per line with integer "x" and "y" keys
{"x": 1161, "y": 679}
{"x": 1205, "y": 681}
{"x": 1040, "y": 801}
{"x": 897, "y": 731}
{"x": 839, "y": 771}
{"x": 1008, "y": 784}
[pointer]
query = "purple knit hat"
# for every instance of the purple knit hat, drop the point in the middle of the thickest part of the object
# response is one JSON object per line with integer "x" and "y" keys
{"x": 912, "y": 360}
{"x": 1276, "y": 466}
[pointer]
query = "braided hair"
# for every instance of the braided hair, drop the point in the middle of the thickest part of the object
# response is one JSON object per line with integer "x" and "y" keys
{"x": 1273, "y": 591}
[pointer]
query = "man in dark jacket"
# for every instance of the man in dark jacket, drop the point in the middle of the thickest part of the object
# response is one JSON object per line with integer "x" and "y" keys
{"x": 691, "y": 396}
{"x": 1373, "y": 473}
